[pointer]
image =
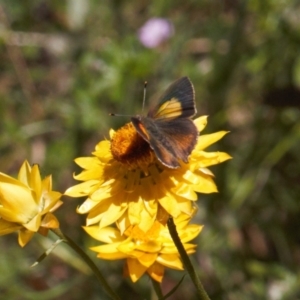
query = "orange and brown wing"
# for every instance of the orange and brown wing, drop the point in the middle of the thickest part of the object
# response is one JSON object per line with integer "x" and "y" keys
{"x": 171, "y": 141}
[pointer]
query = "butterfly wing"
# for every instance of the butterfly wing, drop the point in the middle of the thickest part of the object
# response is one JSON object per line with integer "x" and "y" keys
{"x": 170, "y": 141}
{"x": 178, "y": 101}
{"x": 168, "y": 128}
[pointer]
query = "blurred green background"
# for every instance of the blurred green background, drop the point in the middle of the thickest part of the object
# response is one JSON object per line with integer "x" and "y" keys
{"x": 65, "y": 65}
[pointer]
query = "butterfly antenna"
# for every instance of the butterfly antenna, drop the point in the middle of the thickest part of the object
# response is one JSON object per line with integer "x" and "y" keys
{"x": 144, "y": 100}
{"x": 118, "y": 115}
{"x": 144, "y": 96}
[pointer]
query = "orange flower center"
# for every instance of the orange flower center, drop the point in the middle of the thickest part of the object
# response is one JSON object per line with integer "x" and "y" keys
{"x": 129, "y": 148}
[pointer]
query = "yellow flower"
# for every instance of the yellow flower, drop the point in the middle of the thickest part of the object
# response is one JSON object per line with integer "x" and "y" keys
{"x": 27, "y": 203}
{"x": 144, "y": 252}
{"x": 124, "y": 182}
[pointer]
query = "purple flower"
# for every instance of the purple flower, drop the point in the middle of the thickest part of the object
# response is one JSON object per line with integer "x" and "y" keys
{"x": 155, "y": 31}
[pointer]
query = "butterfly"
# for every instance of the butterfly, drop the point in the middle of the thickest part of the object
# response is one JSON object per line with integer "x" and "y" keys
{"x": 168, "y": 127}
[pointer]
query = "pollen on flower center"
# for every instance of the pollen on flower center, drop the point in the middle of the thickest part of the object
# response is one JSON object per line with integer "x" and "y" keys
{"x": 128, "y": 147}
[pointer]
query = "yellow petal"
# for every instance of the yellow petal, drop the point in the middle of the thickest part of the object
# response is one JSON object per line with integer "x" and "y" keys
{"x": 36, "y": 183}
{"x": 123, "y": 223}
{"x": 103, "y": 151}
{"x": 190, "y": 248}
{"x": 111, "y": 188}
{"x": 105, "y": 249}
{"x": 156, "y": 271}
{"x": 185, "y": 190}
{"x": 106, "y": 212}
{"x": 170, "y": 261}
{"x": 128, "y": 247}
{"x": 8, "y": 227}
{"x": 24, "y": 173}
{"x": 191, "y": 177}
{"x": 183, "y": 219}
{"x": 17, "y": 202}
{"x": 151, "y": 207}
{"x": 135, "y": 209}
{"x": 86, "y": 162}
{"x": 51, "y": 201}
{"x": 106, "y": 235}
{"x": 206, "y": 171}
{"x": 169, "y": 249}
{"x": 34, "y": 223}
{"x": 205, "y": 159}
{"x": 185, "y": 206}
{"x": 81, "y": 189}
{"x": 50, "y": 221}
{"x": 90, "y": 174}
{"x": 111, "y": 133}
{"x": 24, "y": 237}
{"x": 109, "y": 252}
{"x": 135, "y": 269}
{"x": 169, "y": 203}
{"x": 208, "y": 139}
{"x": 190, "y": 232}
{"x": 146, "y": 220}
{"x": 87, "y": 206}
{"x": 201, "y": 122}
{"x": 147, "y": 259}
{"x": 206, "y": 185}
{"x": 47, "y": 183}
{"x": 111, "y": 255}
{"x": 7, "y": 179}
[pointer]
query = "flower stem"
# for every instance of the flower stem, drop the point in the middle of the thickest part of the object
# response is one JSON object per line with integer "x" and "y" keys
{"x": 157, "y": 288}
{"x": 89, "y": 262}
{"x": 186, "y": 261}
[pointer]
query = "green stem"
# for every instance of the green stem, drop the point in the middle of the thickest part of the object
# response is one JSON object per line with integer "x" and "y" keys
{"x": 89, "y": 262}
{"x": 157, "y": 288}
{"x": 186, "y": 261}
